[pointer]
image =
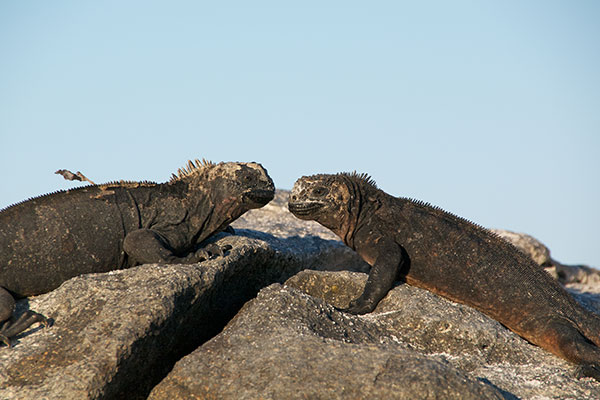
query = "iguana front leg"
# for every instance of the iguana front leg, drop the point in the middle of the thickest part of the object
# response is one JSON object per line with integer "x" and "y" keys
{"x": 386, "y": 259}
{"x": 9, "y": 327}
{"x": 146, "y": 246}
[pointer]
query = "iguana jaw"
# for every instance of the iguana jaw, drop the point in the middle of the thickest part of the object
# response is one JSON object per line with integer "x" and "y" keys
{"x": 259, "y": 197}
{"x": 305, "y": 210}
{"x": 308, "y": 198}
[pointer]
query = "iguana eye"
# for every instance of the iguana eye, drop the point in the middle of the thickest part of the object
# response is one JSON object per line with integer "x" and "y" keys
{"x": 320, "y": 191}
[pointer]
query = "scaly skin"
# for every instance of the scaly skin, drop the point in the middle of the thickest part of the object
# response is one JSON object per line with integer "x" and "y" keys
{"x": 99, "y": 228}
{"x": 424, "y": 246}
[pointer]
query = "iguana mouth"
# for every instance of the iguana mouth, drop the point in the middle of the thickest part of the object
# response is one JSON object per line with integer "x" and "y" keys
{"x": 260, "y": 196}
{"x": 304, "y": 209}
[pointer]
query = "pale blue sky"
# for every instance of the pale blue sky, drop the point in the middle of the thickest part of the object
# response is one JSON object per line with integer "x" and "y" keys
{"x": 489, "y": 109}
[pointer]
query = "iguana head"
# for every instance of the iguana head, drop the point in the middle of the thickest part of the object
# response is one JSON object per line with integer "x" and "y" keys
{"x": 247, "y": 184}
{"x": 322, "y": 198}
{"x": 215, "y": 195}
{"x": 334, "y": 201}
{"x": 253, "y": 182}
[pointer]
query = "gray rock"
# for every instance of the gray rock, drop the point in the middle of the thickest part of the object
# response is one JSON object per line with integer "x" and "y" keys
{"x": 473, "y": 343}
{"x": 286, "y": 345}
{"x": 275, "y": 224}
{"x": 276, "y": 220}
{"x": 115, "y": 333}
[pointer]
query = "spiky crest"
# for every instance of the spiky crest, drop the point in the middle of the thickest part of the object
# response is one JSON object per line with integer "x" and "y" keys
{"x": 360, "y": 177}
{"x": 101, "y": 186}
{"x": 192, "y": 167}
{"x": 454, "y": 217}
{"x": 122, "y": 183}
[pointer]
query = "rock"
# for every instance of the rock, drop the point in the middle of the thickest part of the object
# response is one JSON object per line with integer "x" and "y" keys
{"x": 470, "y": 341}
{"x": 115, "y": 333}
{"x": 276, "y": 220}
{"x": 287, "y": 345}
{"x": 279, "y": 227}
{"x": 580, "y": 278}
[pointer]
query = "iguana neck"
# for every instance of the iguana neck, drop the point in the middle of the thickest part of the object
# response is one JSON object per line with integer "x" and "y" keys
{"x": 212, "y": 214}
{"x": 183, "y": 214}
{"x": 352, "y": 216}
{"x": 223, "y": 212}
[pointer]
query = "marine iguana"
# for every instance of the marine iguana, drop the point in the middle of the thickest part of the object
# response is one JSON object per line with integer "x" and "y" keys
{"x": 425, "y": 246}
{"x": 98, "y": 228}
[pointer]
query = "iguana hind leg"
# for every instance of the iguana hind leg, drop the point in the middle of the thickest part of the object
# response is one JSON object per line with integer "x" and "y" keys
{"x": 146, "y": 246}
{"x": 562, "y": 338}
{"x": 9, "y": 326}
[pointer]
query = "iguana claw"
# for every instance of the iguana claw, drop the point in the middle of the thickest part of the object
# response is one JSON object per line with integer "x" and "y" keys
{"x": 13, "y": 328}
{"x": 211, "y": 251}
{"x": 6, "y": 340}
{"x": 588, "y": 371}
{"x": 357, "y": 307}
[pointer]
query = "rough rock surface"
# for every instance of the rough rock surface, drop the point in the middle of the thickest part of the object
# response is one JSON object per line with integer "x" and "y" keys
{"x": 287, "y": 345}
{"x": 284, "y": 344}
{"x": 117, "y": 335}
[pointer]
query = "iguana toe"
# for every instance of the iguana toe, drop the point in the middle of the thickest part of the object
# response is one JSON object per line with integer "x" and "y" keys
{"x": 6, "y": 340}
{"x": 357, "y": 307}
{"x": 588, "y": 371}
{"x": 13, "y": 328}
{"x": 211, "y": 251}
{"x": 223, "y": 250}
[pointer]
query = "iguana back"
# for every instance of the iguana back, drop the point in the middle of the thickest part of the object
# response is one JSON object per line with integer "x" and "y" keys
{"x": 51, "y": 238}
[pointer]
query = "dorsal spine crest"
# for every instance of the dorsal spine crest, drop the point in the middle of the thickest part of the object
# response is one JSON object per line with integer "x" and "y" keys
{"x": 362, "y": 177}
{"x": 101, "y": 186}
{"x": 192, "y": 167}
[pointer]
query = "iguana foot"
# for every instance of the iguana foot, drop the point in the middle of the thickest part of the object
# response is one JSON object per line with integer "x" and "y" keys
{"x": 145, "y": 246}
{"x": 12, "y": 328}
{"x": 588, "y": 371}
{"x": 211, "y": 251}
{"x": 358, "y": 307}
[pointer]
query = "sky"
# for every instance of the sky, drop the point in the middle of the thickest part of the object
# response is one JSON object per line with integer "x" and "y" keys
{"x": 488, "y": 109}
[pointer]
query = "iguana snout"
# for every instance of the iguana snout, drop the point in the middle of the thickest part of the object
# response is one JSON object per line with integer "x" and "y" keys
{"x": 259, "y": 196}
{"x": 258, "y": 185}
